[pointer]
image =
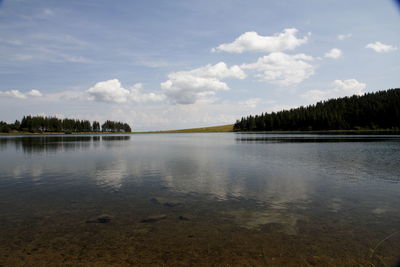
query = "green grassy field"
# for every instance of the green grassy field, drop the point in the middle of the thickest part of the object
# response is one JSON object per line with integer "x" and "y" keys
{"x": 213, "y": 129}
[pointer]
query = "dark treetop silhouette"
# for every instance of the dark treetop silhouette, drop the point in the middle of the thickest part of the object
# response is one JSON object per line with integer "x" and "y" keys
{"x": 372, "y": 111}
{"x": 38, "y": 124}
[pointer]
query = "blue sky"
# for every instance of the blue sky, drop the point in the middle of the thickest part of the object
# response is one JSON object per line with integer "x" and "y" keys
{"x": 178, "y": 64}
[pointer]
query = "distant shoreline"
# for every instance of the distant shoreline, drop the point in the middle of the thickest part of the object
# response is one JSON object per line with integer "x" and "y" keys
{"x": 215, "y": 129}
{"x": 333, "y": 132}
{"x": 229, "y": 128}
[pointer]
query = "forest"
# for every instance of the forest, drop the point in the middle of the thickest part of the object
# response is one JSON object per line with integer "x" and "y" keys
{"x": 371, "y": 111}
{"x": 41, "y": 124}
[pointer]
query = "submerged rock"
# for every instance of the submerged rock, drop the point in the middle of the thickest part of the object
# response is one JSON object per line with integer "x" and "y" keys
{"x": 171, "y": 204}
{"x": 155, "y": 200}
{"x": 154, "y": 218}
{"x": 100, "y": 219}
{"x": 183, "y": 218}
{"x": 165, "y": 202}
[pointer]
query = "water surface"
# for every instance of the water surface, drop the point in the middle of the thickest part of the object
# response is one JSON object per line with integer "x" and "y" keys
{"x": 200, "y": 199}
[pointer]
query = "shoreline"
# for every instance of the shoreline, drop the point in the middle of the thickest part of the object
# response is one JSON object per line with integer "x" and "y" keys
{"x": 216, "y": 129}
{"x": 344, "y": 132}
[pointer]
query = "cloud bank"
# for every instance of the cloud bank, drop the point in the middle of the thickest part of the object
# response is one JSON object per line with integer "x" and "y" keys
{"x": 341, "y": 37}
{"x": 112, "y": 91}
{"x": 20, "y": 95}
{"x": 282, "y": 69}
{"x": 381, "y": 48}
{"x": 186, "y": 87}
{"x": 252, "y": 41}
{"x": 340, "y": 88}
{"x": 333, "y": 53}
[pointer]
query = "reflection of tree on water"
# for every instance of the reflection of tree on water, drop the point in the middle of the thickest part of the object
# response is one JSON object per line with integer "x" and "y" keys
{"x": 53, "y": 144}
{"x": 115, "y": 138}
{"x": 3, "y": 143}
{"x": 303, "y": 138}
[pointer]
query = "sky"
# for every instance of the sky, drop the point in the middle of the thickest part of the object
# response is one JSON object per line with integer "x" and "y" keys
{"x": 162, "y": 64}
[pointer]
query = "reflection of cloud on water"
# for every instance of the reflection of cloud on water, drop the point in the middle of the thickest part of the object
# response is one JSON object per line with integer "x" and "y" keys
{"x": 379, "y": 211}
{"x": 21, "y": 170}
{"x": 112, "y": 174}
{"x": 33, "y": 170}
{"x": 207, "y": 167}
{"x": 121, "y": 168}
{"x": 335, "y": 205}
{"x": 195, "y": 173}
{"x": 276, "y": 187}
{"x": 285, "y": 189}
{"x": 255, "y": 220}
{"x": 200, "y": 182}
{"x": 280, "y": 189}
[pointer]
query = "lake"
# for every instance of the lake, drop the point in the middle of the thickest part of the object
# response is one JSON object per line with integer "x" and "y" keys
{"x": 200, "y": 199}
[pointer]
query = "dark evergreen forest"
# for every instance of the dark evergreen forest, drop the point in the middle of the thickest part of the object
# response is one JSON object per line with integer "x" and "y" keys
{"x": 40, "y": 124}
{"x": 379, "y": 110}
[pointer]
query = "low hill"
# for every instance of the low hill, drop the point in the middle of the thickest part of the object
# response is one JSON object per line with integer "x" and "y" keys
{"x": 212, "y": 129}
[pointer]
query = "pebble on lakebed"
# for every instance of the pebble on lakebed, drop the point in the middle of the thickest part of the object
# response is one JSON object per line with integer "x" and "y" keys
{"x": 100, "y": 219}
{"x": 183, "y": 218}
{"x": 154, "y": 218}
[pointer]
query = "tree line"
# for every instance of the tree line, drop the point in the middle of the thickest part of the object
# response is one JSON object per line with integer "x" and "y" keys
{"x": 39, "y": 124}
{"x": 379, "y": 110}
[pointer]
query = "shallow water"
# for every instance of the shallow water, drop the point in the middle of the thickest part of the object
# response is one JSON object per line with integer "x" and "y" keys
{"x": 200, "y": 199}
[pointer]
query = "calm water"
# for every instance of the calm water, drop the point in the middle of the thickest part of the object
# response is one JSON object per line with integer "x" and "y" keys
{"x": 200, "y": 199}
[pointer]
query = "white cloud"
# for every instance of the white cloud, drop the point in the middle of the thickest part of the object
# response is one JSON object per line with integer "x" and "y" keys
{"x": 109, "y": 91}
{"x": 112, "y": 91}
{"x": 219, "y": 71}
{"x": 20, "y": 95}
{"x": 13, "y": 93}
{"x": 34, "y": 92}
{"x": 333, "y": 53}
{"x": 381, "y": 48}
{"x": 340, "y": 88}
{"x": 350, "y": 86}
{"x": 186, "y": 87}
{"x": 250, "y": 103}
{"x": 67, "y": 95}
{"x": 252, "y": 41}
{"x": 341, "y": 37}
{"x": 283, "y": 69}
{"x": 136, "y": 96}
{"x": 48, "y": 12}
